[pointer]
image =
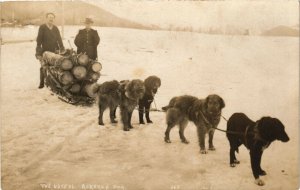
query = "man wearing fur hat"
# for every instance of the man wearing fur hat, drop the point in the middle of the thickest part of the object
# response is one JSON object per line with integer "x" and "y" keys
{"x": 87, "y": 40}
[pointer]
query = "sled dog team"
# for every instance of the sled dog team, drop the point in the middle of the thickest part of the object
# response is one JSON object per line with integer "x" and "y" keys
{"x": 204, "y": 113}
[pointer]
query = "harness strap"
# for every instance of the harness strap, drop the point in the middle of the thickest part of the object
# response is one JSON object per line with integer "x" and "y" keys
{"x": 257, "y": 137}
{"x": 225, "y": 131}
{"x": 245, "y": 136}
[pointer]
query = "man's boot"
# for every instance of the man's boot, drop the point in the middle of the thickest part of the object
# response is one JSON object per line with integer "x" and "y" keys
{"x": 42, "y": 78}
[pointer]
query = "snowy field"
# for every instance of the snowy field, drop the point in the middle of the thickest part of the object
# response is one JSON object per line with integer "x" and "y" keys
{"x": 48, "y": 142}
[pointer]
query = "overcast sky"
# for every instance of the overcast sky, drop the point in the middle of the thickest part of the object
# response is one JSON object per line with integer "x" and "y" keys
{"x": 241, "y": 13}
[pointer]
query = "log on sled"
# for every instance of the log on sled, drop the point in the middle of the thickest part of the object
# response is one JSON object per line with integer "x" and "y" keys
{"x": 72, "y": 77}
{"x": 57, "y": 60}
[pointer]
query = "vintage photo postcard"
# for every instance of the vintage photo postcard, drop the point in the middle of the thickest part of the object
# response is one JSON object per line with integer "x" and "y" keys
{"x": 149, "y": 95}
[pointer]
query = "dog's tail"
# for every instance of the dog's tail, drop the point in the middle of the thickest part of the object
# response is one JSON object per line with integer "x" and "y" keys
{"x": 170, "y": 105}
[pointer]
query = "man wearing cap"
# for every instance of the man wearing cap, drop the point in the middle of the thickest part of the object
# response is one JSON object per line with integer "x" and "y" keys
{"x": 48, "y": 39}
{"x": 87, "y": 40}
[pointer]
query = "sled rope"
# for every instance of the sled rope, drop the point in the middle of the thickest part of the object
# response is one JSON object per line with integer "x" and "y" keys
{"x": 225, "y": 131}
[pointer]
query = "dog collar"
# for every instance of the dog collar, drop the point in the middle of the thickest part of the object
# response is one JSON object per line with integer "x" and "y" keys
{"x": 257, "y": 136}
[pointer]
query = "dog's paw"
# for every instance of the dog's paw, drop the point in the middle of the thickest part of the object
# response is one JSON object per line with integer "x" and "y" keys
{"x": 114, "y": 121}
{"x": 259, "y": 182}
{"x": 212, "y": 148}
{"x": 126, "y": 129}
{"x": 130, "y": 127}
{"x": 101, "y": 123}
{"x": 262, "y": 173}
{"x": 185, "y": 141}
{"x": 149, "y": 121}
{"x": 203, "y": 151}
{"x": 142, "y": 122}
{"x": 232, "y": 165}
{"x": 167, "y": 140}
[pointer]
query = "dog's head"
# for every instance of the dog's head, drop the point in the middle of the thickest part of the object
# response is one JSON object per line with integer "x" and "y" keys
{"x": 272, "y": 129}
{"x": 214, "y": 104}
{"x": 152, "y": 83}
{"x": 135, "y": 89}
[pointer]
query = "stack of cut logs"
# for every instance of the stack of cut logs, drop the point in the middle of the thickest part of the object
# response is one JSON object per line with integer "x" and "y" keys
{"x": 72, "y": 75}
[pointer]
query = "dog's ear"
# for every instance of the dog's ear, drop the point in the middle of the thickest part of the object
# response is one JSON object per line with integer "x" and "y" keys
{"x": 221, "y": 102}
{"x": 206, "y": 102}
{"x": 267, "y": 128}
{"x": 159, "y": 81}
{"x": 280, "y": 131}
{"x": 194, "y": 111}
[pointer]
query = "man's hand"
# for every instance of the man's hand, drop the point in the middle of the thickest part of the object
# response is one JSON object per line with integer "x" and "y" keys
{"x": 39, "y": 57}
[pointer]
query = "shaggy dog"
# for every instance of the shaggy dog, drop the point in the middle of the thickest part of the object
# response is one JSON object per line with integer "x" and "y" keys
{"x": 152, "y": 83}
{"x": 205, "y": 113}
{"x": 131, "y": 92}
{"x": 256, "y": 136}
{"x": 108, "y": 96}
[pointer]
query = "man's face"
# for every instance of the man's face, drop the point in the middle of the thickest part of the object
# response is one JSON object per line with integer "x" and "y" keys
{"x": 50, "y": 18}
{"x": 88, "y": 25}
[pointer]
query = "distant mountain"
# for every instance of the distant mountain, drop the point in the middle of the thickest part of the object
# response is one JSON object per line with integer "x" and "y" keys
{"x": 282, "y": 31}
{"x": 33, "y": 12}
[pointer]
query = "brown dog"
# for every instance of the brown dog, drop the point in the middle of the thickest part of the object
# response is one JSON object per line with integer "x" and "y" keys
{"x": 108, "y": 96}
{"x": 205, "y": 113}
{"x": 130, "y": 93}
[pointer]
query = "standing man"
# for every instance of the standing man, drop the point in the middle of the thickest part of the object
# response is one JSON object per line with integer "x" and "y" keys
{"x": 87, "y": 40}
{"x": 48, "y": 39}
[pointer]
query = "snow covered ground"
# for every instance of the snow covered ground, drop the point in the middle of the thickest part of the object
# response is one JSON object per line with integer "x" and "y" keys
{"x": 48, "y": 142}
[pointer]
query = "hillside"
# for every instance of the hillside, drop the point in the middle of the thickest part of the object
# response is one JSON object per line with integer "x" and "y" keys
{"x": 33, "y": 12}
{"x": 282, "y": 31}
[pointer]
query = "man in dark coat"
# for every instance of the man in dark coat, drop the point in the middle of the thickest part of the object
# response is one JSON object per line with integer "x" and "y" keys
{"x": 87, "y": 40}
{"x": 48, "y": 39}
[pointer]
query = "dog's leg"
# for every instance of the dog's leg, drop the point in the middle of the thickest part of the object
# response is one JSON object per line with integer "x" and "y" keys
{"x": 141, "y": 112}
{"x": 172, "y": 118}
{"x": 201, "y": 137}
{"x": 167, "y": 133}
{"x": 124, "y": 116}
{"x": 112, "y": 113}
{"x": 233, "y": 147}
{"x": 182, "y": 126}
{"x": 102, "y": 108}
{"x": 210, "y": 140}
{"x": 232, "y": 156}
{"x": 115, "y": 111}
{"x": 261, "y": 171}
{"x": 255, "y": 155}
{"x": 129, "y": 119}
{"x": 147, "y": 111}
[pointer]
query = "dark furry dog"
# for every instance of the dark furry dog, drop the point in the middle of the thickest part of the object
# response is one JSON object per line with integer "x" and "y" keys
{"x": 256, "y": 136}
{"x": 131, "y": 92}
{"x": 152, "y": 83}
{"x": 108, "y": 96}
{"x": 205, "y": 113}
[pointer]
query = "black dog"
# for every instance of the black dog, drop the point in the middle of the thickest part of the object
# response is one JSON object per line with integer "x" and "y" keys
{"x": 256, "y": 136}
{"x": 152, "y": 83}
